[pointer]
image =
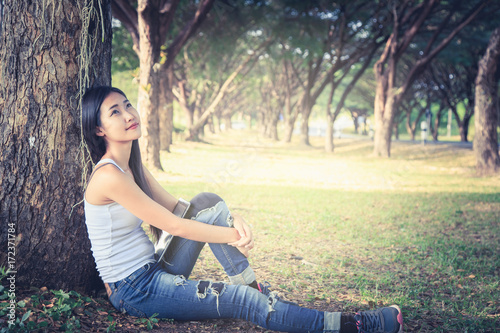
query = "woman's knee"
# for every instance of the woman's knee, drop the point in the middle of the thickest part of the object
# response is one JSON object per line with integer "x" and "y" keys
{"x": 201, "y": 202}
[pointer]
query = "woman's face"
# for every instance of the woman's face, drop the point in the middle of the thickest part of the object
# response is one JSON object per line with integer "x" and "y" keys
{"x": 119, "y": 119}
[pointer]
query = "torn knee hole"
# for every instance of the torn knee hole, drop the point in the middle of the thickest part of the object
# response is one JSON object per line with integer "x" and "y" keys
{"x": 217, "y": 288}
{"x": 179, "y": 280}
{"x": 203, "y": 288}
{"x": 271, "y": 301}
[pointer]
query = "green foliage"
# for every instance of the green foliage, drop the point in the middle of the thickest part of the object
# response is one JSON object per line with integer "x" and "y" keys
{"x": 127, "y": 82}
{"x": 149, "y": 322}
{"x": 59, "y": 309}
{"x": 124, "y": 57}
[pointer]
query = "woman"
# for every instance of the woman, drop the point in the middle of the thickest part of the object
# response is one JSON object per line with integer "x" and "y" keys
{"x": 122, "y": 193}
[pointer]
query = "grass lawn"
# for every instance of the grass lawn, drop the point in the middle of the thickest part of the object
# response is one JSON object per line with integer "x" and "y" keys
{"x": 345, "y": 231}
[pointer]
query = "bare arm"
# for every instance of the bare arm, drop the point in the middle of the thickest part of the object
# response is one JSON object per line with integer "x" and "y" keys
{"x": 121, "y": 188}
{"x": 161, "y": 196}
{"x": 245, "y": 242}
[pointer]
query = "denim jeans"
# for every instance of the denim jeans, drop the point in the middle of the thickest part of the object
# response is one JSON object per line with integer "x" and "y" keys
{"x": 167, "y": 291}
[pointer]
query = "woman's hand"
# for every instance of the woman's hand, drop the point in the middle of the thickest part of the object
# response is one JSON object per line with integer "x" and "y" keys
{"x": 245, "y": 243}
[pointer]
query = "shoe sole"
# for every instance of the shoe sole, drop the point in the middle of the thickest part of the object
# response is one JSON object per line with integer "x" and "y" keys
{"x": 399, "y": 318}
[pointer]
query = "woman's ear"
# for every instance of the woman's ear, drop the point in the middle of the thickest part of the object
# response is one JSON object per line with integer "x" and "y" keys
{"x": 98, "y": 131}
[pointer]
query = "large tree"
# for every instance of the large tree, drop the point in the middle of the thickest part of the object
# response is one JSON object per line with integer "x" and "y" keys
{"x": 440, "y": 22}
{"x": 149, "y": 25}
{"x": 49, "y": 52}
{"x": 486, "y": 119}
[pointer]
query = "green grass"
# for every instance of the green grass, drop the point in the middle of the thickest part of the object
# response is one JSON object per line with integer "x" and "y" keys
{"x": 338, "y": 232}
{"x": 347, "y": 231}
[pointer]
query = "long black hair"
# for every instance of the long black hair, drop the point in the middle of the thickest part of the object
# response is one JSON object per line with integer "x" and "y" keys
{"x": 91, "y": 118}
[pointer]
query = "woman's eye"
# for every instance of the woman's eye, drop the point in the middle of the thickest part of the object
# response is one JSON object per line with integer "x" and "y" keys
{"x": 114, "y": 112}
{"x": 129, "y": 105}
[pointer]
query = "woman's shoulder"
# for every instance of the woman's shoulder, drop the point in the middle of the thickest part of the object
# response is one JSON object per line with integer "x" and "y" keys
{"x": 103, "y": 177}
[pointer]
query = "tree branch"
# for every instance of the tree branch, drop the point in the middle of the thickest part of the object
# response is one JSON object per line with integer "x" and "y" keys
{"x": 422, "y": 63}
{"x": 127, "y": 15}
{"x": 187, "y": 31}
{"x": 167, "y": 14}
{"x": 412, "y": 31}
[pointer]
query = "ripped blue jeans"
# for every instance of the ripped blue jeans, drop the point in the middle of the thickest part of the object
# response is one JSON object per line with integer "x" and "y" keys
{"x": 167, "y": 291}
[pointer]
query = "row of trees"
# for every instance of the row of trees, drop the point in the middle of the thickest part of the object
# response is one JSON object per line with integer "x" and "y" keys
{"x": 213, "y": 57}
{"x": 279, "y": 57}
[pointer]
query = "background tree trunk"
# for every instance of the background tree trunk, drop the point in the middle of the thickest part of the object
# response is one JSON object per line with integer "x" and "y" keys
{"x": 149, "y": 92}
{"x": 166, "y": 109}
{"x": 44, "y": 57}
{"x": 486, "y": 108}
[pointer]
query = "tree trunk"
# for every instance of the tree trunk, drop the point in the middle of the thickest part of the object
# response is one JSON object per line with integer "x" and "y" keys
{"x": 396, "y": 131}
{"x": 183, "y": 102}
{"x": 211, "y": 125}
{"x": 330, "y": 119}
{"x": 289, "y": 124}
{"x": 304, "y": 127}
{"x": 47, "y": 58}
{"x": 166, "y": 109}
{"x": 149, "y": 84}
{"x": 409, "y": 129}
{"x": 437, "y": 123}
{"x": 249, "y": 122}
{"x": 261, "y": 121}
{"x": 273, "y": 127}
{"x": 355, "y": 123}
{"x": 329, "y": 133}
{"x": 227, "y": 122}
{"x": 486, "y": 109}
{"x": 384, "y": 103}
{"x": 289, "y": 113}
{"x": 219, "y": 124}
{"x": 464, "y": 129}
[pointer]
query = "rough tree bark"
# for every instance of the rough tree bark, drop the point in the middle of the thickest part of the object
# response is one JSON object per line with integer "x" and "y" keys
{"x": 486, "y": 108}
{"x": 42, "y": 63}
{"x": 149, "y": 82}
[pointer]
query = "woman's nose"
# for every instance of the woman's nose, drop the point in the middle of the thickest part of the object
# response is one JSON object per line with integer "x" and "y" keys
{"x": 129, "y": 116}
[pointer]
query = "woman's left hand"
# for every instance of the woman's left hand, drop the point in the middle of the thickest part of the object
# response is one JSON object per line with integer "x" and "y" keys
{"x": 246, "y": 241}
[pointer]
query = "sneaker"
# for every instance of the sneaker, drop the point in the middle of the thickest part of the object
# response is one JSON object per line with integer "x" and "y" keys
{"x": 383, "y": 320}
{"x": 264, "y": 288}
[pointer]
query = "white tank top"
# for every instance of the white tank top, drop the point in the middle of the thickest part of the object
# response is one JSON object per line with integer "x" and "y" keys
{"x": 118, "y": 242}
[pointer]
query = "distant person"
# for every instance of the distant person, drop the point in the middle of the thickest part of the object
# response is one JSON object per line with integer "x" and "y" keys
{"x": 121, "y": 194}
{"x": 423, "y": 131}
{"x": 360, "y": 122}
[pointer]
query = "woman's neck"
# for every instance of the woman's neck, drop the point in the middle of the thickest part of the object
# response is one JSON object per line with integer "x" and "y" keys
{"x": 121, "y": 155}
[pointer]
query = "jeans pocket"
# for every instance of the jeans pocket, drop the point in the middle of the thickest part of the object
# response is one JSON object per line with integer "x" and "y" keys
{"x": 129, "y": 309}
{"x": 136, "y": 275}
